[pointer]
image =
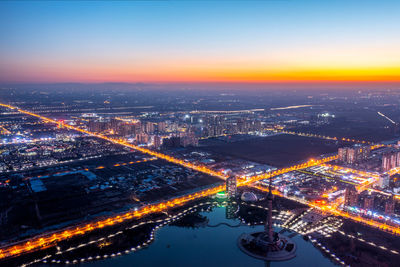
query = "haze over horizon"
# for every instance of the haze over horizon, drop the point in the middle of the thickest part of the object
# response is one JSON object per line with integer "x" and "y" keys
{"x": 272, "y": 44}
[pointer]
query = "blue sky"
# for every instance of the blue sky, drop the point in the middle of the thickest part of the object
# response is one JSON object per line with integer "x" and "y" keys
{"x": 199, "y": 40}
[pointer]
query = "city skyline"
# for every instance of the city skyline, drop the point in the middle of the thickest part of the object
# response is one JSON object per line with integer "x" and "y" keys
{"x": 274, "y": 43}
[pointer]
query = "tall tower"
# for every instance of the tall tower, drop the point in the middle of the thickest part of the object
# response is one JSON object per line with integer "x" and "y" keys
{"x": 231, "y": 187}
{"x": 266, "y": 244}
{"x": 268, "y": 226}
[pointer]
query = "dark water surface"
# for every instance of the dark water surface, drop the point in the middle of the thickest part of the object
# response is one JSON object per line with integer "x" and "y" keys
{"x": 209, "y": 246}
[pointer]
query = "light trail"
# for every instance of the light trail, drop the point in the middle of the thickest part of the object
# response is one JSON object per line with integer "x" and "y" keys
{"x": 394, "y": 171}
{"x": 293, "y": 107}
{"x": 133, "y": 121}
{"x": 127, "y": 163}
{"x": 227, "y": 111}
{"x": 386, "y": 117}
{"x": 343, "y": 139}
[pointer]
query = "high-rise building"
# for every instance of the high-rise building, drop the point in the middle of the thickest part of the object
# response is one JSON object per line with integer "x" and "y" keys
{"x": 189, "y": 139}
{"x": 351, "y": 155}
{"x": 398, "y": 159}
{"x": 142, "y": 138}
{"x": 350, "y": 196}
{"x": 161, "y": 127}
{"x": 114, "y": 124}
{"x": 390, "y": 160}
{"x": 231, "y": 187}
{"x": 386, "y": 162}
{"x": 384, "y": 180}
{"x": 126, "y": 129}
{"x": 389, "y": 206}
{"x": 96, "y": 126}
{"x": 342, "y": 153}
{"x": 369, "y": 203}
{"x": 149, "y": 127}
{"x": 363, "y": 152}
{"x": 355, "y": 154}
{"x": 157, "y": 141}
{"x": 137, "y": 128}
{"x": 393, "y": 160}
{"x": 173, "y": 141}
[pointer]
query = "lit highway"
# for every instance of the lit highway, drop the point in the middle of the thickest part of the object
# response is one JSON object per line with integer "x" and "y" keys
{"x": 4, "y": 130}
{"x": 52, "y": 238}
{"x": 332, "y": 209}
{"x": 243, "y": 181}
{"x": 394, "y": 171}
{"x": 199, "y": 168}
{"x": 364, "y": 183}
{"x": 343, "y": 139}
{"x": 386, "y": 117}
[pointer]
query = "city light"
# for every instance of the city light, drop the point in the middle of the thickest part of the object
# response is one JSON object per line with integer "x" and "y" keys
{"x": 50, "y": 239}
{"x": 276, "y": 124}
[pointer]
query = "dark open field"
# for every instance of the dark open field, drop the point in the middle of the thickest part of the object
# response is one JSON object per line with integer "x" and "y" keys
{"x": 279, "y": 150}
{"x": 361, "y": 124}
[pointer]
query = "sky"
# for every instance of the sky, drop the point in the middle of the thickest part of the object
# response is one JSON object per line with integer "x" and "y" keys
{"x": 273, "y": 42}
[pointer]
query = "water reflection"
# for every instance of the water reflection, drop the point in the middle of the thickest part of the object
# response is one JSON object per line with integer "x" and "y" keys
{"x": 201, "y": 235}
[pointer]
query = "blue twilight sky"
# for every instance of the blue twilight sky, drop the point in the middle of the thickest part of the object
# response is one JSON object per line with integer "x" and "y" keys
{"x": 163, "y": 41}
